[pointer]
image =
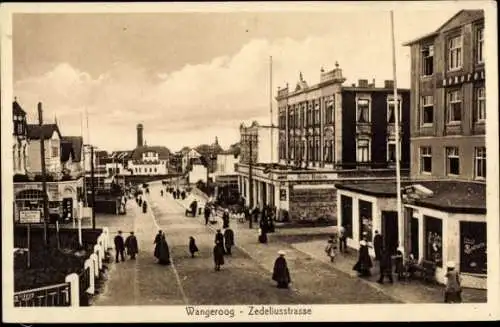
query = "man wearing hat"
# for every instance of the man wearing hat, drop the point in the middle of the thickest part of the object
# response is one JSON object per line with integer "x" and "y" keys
{"x": 453, "y": 290}
{"x": 225, "y": 219}
{"x": 281, "y": 274}
{"x": 119, "y": 247}
{"x": 131, "y": 246}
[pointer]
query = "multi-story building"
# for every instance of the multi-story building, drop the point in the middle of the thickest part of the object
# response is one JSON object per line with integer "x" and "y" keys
{"x": 328, "y": 132}
{"x": 444, "y": 216}
{"x": 52, "y": 144}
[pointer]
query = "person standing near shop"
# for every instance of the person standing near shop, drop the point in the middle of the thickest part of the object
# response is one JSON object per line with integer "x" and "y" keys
{"x": 453, "y": 290}
{"x": 377, "y": 245}
{"x": 385, "y": 266}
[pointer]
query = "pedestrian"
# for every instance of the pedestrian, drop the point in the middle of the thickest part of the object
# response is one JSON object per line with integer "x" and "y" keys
{"x": 194, "y": 207}
{"x": 131, "y": 245}
{"x": 140, "y": 201}
{"x": 453, "y": 290}
{"x": 206, "y": 213}
{"x": 219, "y": 237}
{"x": 377, "y": 245}
{"x": 218, "y": 255}
{"x": 162, "y": 252}
{"x": 228, "y": 240}
{"x": 183, "y": 195}
{"x": 364, "y": 263}
{"x": 144, "y": 207}
{"x": 225, "y": 219}
{"x": 161, "y": 193}
{"x": 119, "y": 247}
{"x": 330, "y": 249}
{"x": 263, "y": 232}
{"x": 281, "y": 274}
{"x": 398, "y": 262}
{"x": 192, "y": 246}
{"x": 342, "y": 239}
{"x": 385, "y": 263}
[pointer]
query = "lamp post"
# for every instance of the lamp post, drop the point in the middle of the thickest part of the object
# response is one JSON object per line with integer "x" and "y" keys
{"x": 92, "y": 185}
{"x": 250, "y": 139}
{"x": 44, "y": 176}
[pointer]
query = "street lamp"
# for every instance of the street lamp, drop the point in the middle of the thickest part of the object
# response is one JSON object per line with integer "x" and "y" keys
{"x": 92, "y": 186}
{"x": 249, "y": 140}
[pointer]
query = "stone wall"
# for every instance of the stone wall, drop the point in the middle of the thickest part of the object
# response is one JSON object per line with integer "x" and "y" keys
{"x": 313, "y": 204}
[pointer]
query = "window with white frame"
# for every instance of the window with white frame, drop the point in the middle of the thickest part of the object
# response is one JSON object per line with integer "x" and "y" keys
{"x": 454, "y": 107}
{"x": 455, "y": 53}
{"x": 363, "y": 150}
{"x": 480, "y": 45}
{"x": 391, "y": 151}
{"x": 480, "y": 104}
{"x": 363, "y": 110}
{"x": 427, "y": 110}
{"x": 452, "y": 161}
{"x": 391, "y": 114}
{"x": 480, "y": 163}
{"x": 55, "y": 151}
{"x": 428, "y": 60}
{"x": 426, "y": 159}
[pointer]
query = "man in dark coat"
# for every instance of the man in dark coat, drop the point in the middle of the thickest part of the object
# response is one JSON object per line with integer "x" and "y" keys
{"x": 119, "y": 247}
{"x": 377, "y": 245}
{"x": 194, "y": 207}
{"x": 263, "y": 232}
{"x": 162, "y": 252}
{"x": 281, "y": 274}
{"x": 228, "y": 240}
{"x": 225, "y": 219}
{"x": 385, "y": 266}
{"x": 131, "y": 245}
{"x": 218, "y": 255}
{"x": 219, "y": 237}
{"x": 192, "y": 246}
{"x": 144, "y": 207}
{"x": 206, "y": 213}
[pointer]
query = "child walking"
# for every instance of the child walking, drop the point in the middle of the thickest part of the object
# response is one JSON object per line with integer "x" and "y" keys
{"x": 330, "y": 248}
{"x": 192, "y": 246}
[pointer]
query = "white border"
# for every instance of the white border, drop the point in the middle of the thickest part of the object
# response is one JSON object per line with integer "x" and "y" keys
{"x": 374, "y": 312}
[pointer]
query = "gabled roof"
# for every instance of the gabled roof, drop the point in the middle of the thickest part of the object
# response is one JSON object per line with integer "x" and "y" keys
{"x": 71, "y": 145}
{"x": 163, "y": 152}
{"x": 17, "y": 110}
{"x": 47, "y": 130}
{"x": 474, "y": 14}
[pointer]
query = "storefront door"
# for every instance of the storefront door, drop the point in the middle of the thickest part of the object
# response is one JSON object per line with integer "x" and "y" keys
{"x": 346, "y": 212}
{"x": 414, "y": 238}
{"x": 390, "y": 230}
{"x": 473, "y": 247}
{"x": 263, "y": 187}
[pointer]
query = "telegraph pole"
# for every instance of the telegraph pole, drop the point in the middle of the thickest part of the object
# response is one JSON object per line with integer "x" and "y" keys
{"x": 92, "y": 184}
{"x": 44, "y": 176}
{"x": 250, "y": 172}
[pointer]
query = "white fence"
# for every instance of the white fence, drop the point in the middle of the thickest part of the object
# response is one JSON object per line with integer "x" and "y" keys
{"x": 69, "y": 293}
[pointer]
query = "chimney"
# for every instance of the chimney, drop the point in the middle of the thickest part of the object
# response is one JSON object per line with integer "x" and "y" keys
{"x": 389, "y": 84}
{"x": 372, "y": 84}
{"x": 139, "y": 135}
{"x": 362, "y": 83}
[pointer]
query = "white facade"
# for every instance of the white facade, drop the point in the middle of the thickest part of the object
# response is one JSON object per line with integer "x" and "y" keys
{"x": 52, "y": 155}
{"x": 226, "y": 164}
{"x": 20, "y": 155}
{"x": 187, "y": 157}
{"x": 199, "y": 172}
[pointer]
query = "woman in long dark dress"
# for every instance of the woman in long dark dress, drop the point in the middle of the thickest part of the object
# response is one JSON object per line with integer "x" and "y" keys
{"x": 364, "y": 263}
{"x": 162, "y": 252}
{"x": 192, "y": 246}
{"x": 218, "y": 255}
{"x": 281, "y": 274}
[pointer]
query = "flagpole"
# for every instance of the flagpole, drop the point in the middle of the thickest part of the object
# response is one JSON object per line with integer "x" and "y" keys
{"x": 401, "y": 220}
{"x": 271, "y": 104}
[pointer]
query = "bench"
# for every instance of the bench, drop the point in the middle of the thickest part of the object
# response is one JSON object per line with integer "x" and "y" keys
{"x": 426, "y": 270}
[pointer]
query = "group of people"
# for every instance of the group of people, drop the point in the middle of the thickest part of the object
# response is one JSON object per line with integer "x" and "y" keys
{"x": 129, "y": 244}
{"x": 387, "y": 258}
{"x": 141, "y": 203}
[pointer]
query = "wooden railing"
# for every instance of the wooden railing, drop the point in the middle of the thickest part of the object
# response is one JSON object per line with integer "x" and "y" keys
{"x": 50, "y": 296}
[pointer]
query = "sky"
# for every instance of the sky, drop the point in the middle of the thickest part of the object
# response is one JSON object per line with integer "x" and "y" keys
{"x": 189, "y": 77}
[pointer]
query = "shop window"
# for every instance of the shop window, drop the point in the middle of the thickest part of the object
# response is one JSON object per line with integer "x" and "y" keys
{"x": 452, "y": 161}
{"x": 473, "y": 257}
{"x": 426, "y": 159}
{"x": 427, "y": 110}
{"x": 428, "y": 60}
{"x": 480, "y": 163}
{"x": 365, "y": 220}
{"x": 434, "y": 240}
{"x": 346, "y": 212}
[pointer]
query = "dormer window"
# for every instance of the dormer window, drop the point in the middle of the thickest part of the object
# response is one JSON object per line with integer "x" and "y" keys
{"x": 428, "y": 60}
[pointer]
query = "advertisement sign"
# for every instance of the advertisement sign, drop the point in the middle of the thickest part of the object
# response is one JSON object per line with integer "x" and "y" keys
{"x": 30, "y": 217}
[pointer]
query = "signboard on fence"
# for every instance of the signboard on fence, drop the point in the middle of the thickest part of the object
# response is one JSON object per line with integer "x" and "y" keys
{"x": 30, "y": 217}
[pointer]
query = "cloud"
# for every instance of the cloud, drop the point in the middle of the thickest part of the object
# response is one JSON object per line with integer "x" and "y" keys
{"x": 197, "y": 102}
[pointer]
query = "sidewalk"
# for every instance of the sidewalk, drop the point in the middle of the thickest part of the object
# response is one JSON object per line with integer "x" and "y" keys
{"x": 406, "y": 292}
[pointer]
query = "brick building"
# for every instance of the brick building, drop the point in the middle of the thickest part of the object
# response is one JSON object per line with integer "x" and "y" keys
{"x": 444, "y": 215}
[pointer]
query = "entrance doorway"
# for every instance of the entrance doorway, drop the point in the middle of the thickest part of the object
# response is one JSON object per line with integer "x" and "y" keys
{"x": 414, "y": 238}
{"x": 390, "y": 230}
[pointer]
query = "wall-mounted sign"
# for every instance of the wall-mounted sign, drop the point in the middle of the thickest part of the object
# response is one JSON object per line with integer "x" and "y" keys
{"x": 463, "y": 78}
{"x": 30, "y": 217}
